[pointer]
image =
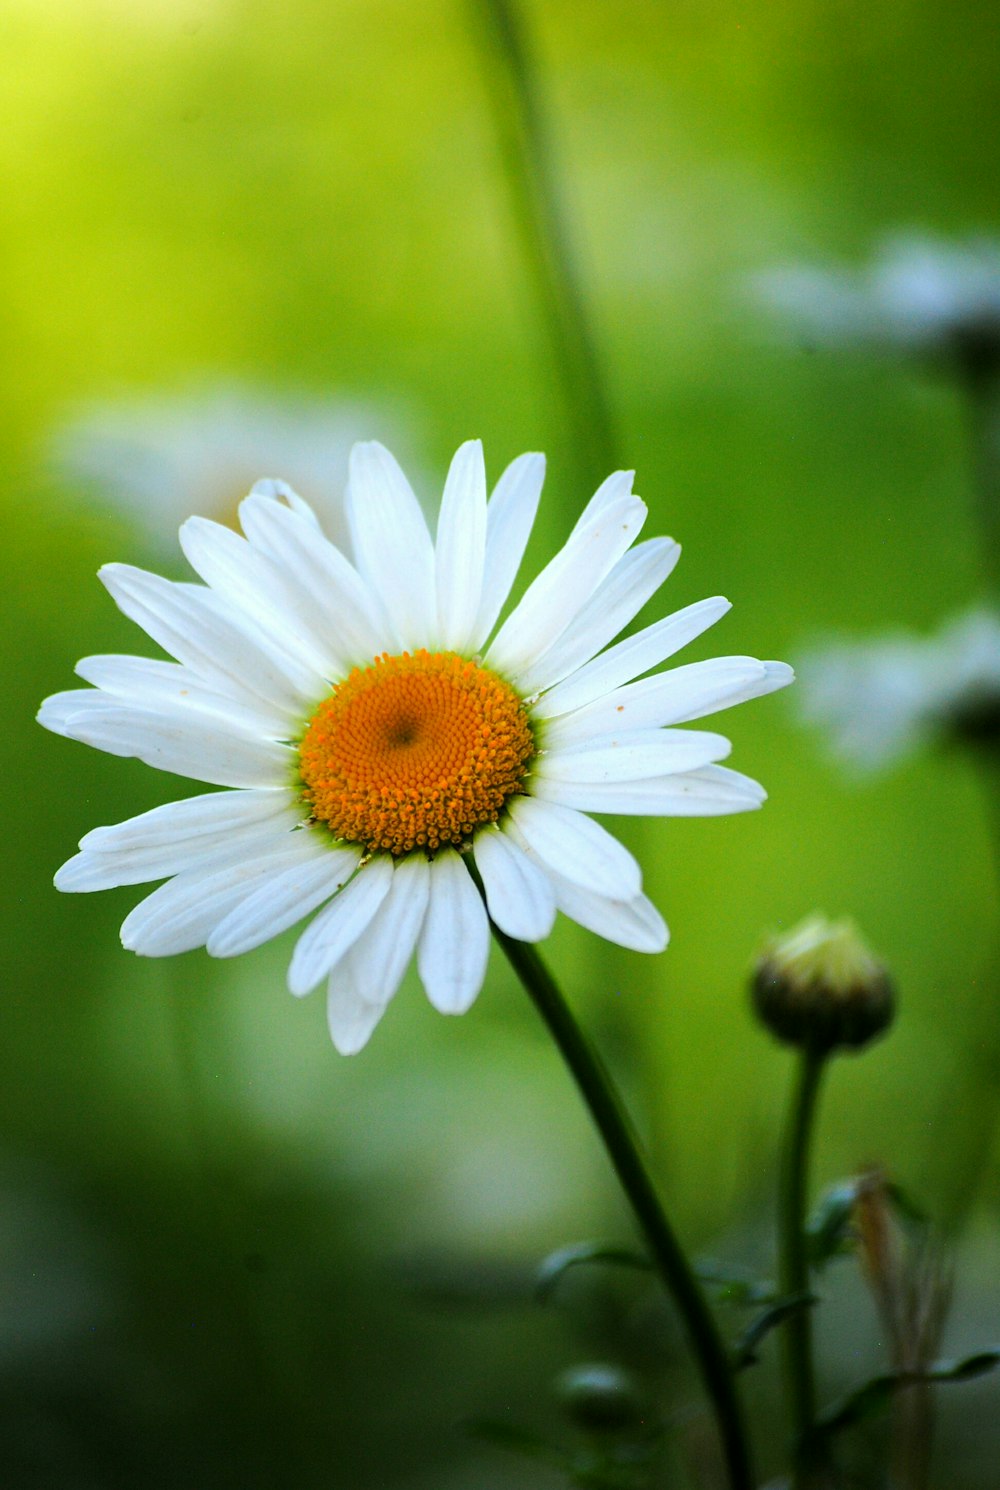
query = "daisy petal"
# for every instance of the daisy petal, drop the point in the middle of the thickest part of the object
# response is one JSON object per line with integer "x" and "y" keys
{"x": 455, "y": 941}
{"x": 348, "y": 614}
{"x": 635, "y": 923}
{"x": 575, "y": 846}
{"x": 519, "y": 895}
{"x": 391, "y": 543}
{"x": 631, "y": 657}
{"x": 176, "y": 823}
{"x": 611, "y": 490}
{"x": 349, "y": 1018}
{"x": 553, "y": 600}
{"x": 182, "y": 914}
{"x": 156, "y": 861}
{"x": 254, "y": 587}
{"x": 335, "y": 929}
{"x": 510, "y": 517}
{"x": 632, "y": 756}
{"x": 673, "y": 697}
{"x": 194, "y": 746}
{"x": 148, "y": 683}
{"x": 461, "y": 547}
{"x": 707, "y": 792}
{"x": 636, "y": 577}
{"x": 194, "y": 627}
{"x": 284, "y": 900}
{"x": 59, "y": 708}
{"x": 375, "y": 965}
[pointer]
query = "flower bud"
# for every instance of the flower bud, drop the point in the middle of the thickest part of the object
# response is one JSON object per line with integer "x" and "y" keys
{"x": 600, "y": 1398}
{"x": 819, "y": 987}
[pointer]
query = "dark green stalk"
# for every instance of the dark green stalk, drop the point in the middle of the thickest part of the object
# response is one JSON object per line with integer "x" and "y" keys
{"x": 531, "y": 180}
{"x": 794, "y": 1265}
{"x": 623, "y": 1149}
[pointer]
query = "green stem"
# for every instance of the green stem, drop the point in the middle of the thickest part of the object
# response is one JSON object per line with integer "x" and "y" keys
{"x": 794, "y": 1264}
{"x": 623, "y": 1149}
{"x": 531, "y": 180}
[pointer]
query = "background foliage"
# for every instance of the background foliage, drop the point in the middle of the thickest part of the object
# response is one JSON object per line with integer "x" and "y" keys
{"x": 306, "y": 202}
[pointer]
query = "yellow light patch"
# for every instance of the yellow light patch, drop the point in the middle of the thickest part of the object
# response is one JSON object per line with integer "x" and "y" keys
{"x": 415, "y": 752}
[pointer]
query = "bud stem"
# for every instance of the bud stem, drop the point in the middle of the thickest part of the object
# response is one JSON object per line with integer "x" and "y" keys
{"x": 794, "y": 1267}
{"x": 623, "y": 1149}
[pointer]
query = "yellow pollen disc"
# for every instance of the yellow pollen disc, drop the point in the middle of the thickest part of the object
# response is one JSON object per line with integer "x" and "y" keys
{"x": 414, "y": 752}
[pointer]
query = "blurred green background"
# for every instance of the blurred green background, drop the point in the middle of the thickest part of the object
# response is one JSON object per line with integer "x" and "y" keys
{"x": 227, "y": 1255}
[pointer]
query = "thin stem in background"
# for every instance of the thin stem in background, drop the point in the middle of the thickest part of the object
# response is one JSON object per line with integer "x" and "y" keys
{"x": 531, "y": 179}
{"x": 623, "y": 1149}
{"x": 800, "y": 1380}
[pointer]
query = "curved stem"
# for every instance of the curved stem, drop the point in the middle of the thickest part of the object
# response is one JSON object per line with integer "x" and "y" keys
{"x": 794, "y": 1263}
{"x": 622, "y": 1145}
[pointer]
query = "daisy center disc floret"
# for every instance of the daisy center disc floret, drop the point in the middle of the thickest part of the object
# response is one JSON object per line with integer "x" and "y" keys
{"x": 415, "y": 751}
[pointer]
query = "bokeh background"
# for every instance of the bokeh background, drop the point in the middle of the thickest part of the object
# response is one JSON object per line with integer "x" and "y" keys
{"x": 237, "y": 234}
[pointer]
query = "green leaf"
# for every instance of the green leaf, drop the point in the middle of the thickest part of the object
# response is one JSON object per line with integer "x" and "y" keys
{"x": 865, "y": 1401}
{"x": 745, "y": 1349}
{"x": 829, "y": 1228}
{"x": 557, "y": 1263}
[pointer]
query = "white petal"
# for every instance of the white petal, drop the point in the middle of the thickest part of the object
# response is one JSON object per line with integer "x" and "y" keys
{"x": 194, "y": 626}
{"x": 352, "y": 624}
{"x": 198, "y": 747}
{"x": 145, "y": 682}
{"x": 461, "y": 547}
{"x": 575, "y": 846}
{"x": 392, "y": 546}
{"x": 611, "y": 490}
{"x": 455, "y": 942}
{"x": 335, "y": 929}
{"x": 707, "y": 792}
{"x": 59, "y": 708}
{"x": 156, "y": 861}
{"x": 375, "y": 965}
{"x": 673, "y": 697}
{"x": 510, "y": 517}
{"x": 280, "y": 493}
{"x": 567, "y": 582}
{"x": 632, "y": 756}
{"x": 176, "y": 823}
{"x": 635, "y": 923}
{"x": 349, "y": 1018}
{"x": 519, "y": 895}
{"x": 631, "y": 657}
{"x": 182, "y": 914}
{"x": 253, "y": 585}
{"x": 284, "y": 900}
{"x": 636, "y": 576}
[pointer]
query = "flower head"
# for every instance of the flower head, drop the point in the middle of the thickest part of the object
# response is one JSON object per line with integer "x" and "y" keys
{"x": 376, "y": 743}
{"x": 882, "y": 698}
{"x": 819, "y": 986}
{"x": 918, "y": 295}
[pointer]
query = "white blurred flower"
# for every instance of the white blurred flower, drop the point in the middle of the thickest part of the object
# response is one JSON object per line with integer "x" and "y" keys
{"x": 162, "y": 457}
{"x": 918, "y": 295}
{"x": 880, "y": 699}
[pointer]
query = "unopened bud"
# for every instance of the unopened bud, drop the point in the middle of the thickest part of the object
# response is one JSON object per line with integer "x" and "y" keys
{"x": 819, "y": 987}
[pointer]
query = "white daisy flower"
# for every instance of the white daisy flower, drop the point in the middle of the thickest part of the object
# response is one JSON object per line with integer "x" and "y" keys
{"x": 917, "y": 294}
{"x": 377, "y": 744}
{"x": 879, "y": 700}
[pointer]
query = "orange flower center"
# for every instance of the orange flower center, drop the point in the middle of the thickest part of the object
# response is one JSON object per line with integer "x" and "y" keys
{"x": 414, "y": 752}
